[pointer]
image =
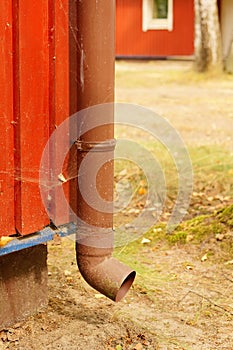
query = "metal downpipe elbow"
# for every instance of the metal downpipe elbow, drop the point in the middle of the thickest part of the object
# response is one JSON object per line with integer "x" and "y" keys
{"x": 100, "y": 270}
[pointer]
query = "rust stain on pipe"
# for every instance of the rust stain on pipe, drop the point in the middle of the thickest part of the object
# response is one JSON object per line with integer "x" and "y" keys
{"x": 92, "y": 62}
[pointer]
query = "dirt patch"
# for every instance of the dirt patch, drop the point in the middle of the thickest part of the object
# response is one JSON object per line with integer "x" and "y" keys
{"x": 200, "y": 107}
{"x": 182, "y": 297}
{"x": 187, "y": 306}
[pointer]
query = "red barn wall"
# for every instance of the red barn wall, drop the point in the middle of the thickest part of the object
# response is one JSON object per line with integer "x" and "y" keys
{"x": 132, "y": 41}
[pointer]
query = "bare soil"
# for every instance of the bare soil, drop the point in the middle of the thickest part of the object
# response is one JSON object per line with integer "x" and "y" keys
{"x": 190, "y": 304}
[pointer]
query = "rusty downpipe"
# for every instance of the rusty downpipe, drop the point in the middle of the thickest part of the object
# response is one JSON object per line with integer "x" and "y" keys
{"x": 93, "y": 56}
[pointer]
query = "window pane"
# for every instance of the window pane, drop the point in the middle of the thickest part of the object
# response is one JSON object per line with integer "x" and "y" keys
{"x": 160, "y": 9}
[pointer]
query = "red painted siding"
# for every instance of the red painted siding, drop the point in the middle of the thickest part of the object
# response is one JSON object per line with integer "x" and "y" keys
{"x": 31, "y": 88}
{"x": 34, "y": 100}
{"x": 132, "y": 41}
{"x": 6, "y": 121}
{"x": 59, "y": 90}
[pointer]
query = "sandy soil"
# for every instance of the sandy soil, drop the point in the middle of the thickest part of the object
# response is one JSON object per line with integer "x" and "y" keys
{"x": 191, "y": 306}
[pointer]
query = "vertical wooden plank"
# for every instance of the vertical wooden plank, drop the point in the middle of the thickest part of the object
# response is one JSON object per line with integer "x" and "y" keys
{"x": 62, "y": 60}
{"x": 59, "y": 92}
{"x": 62, "y": 91}
{"x": 74, "y": 53}
{"x": 6, "y": 121}
{"x": 31, "y": 110}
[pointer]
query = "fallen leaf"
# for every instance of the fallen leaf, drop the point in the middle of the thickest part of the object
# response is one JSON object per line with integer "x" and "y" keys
{"x": 189, "y": 238}
{"x": 230, "y": 262}
{"x": 56, "y": 239}
{"x": 155, "y": 230}
{"x": 99, "y": 296}
{"x": 134, "y": 211}
{"x": 219, "y": 197}
{"x": 119, "y": 347}
{"x": 145, "y": 240}
{"x": 3, "y": 336}
{"x": 195, "y": 194}
{"x": 5, "y": 240}
{"x": 219, "y": 236}
{"x": 154, "y": 249}
{"x": 123, "y": 172}
{"x": 141, "y": 191}
{"x": 69, "y": 279}
{"x": 67, "y": 273}
{"x": 204, "y": 258}
{"x": 198, "y": 194}
{"x": 12, "y": 335}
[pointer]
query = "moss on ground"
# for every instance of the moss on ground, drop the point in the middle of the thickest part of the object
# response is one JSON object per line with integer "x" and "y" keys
{"x": 225, "y": 216}
{"x": 192, "y": 231}
{"x": 205, "y": 228}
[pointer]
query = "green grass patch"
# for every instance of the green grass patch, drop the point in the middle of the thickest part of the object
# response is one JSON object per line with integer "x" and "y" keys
{"x": 212, "y": 174}
{"x": 194, "y": 231}
{"x": 211, "y": 158}
{"x": 135, "y": 254}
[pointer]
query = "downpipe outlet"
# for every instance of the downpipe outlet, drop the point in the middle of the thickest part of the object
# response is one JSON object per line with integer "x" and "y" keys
{"x": 99, "y": 269}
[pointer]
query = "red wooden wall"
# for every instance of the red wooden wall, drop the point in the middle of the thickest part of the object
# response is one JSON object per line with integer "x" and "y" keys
{"x": 33, "y": 101}
{"x": 132, "y": 41}
{"x": 6, "y": 120}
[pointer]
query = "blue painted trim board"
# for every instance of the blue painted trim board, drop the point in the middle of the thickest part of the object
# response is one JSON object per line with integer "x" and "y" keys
{"x": 36, "y": 238}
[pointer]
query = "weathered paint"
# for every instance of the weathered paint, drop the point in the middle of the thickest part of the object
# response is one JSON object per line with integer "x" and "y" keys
{"x": 6, "y": 121}
{"x": 132, "y": 41}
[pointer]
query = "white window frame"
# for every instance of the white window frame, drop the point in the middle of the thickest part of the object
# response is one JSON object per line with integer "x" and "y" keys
{"x": 150, "y": 23}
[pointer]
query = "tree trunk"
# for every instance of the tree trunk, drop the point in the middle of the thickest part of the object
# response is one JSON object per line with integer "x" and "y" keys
{"x": 227, "y": 34}
{"x": 228, "y": 62}
{"x": 208, "y": 53}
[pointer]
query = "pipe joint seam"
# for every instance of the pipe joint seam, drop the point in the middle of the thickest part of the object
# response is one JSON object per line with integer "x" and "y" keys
{"x": 96, "y": 146}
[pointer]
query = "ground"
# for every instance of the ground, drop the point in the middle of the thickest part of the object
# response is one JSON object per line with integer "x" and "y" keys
{"x": 182, "y": 297}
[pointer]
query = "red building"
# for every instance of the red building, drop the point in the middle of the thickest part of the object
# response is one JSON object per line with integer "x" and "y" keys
{"x": 154, "y": 28}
